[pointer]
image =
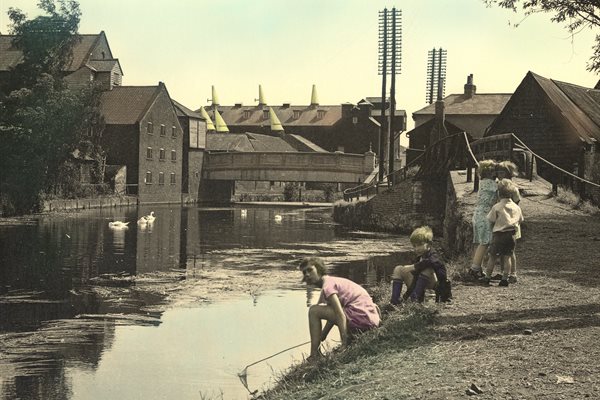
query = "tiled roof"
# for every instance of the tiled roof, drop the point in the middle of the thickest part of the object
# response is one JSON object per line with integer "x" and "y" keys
{"x": 427, "y": 127}
{"x": 253, "y": 115}
{"x": 586, "y": 113}
{"x": 124, "y": 105}
{"x": 104, "y": 65}
{"x": 10, "y": 56}
{"x": 478, "y": 104}
{"x": 183, "y": 111}
{"x": 246, "y": 142}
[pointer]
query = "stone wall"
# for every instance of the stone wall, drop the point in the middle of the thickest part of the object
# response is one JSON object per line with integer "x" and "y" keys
{"x": 404, "y": 207}
{"x": 82, "y": 204}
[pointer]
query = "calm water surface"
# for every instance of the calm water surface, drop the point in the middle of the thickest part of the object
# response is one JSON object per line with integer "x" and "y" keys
{"x": 70, "y": 328}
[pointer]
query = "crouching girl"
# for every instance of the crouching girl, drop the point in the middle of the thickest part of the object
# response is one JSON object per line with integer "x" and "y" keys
{"x": 342, "y": 303}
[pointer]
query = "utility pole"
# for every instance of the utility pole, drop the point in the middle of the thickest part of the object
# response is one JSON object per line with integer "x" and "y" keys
{"x": 436, "y": 74}
{"x": 396, "y": 62}
{"x": 390, "y": 32}
{"x": 383, "y": 18}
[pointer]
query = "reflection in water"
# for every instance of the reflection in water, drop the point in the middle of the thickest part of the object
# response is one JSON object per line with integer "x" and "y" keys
{"x": 75, "y": 265}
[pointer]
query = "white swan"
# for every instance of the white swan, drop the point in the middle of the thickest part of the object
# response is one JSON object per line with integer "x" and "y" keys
{"x": 147, "y": 219}
{"x": 278, "y": 218}
{"x": 118, "y": 224}
{"x": 244, "y": 213}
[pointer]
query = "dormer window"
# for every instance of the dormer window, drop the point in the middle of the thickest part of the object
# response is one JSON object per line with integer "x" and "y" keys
{"x": 265, "y": 114}
{"x": 296, "y": 114}
{"x": 247, "y": 114}
{"x": 320, "y": 114}
{"x": 103, "y": 55}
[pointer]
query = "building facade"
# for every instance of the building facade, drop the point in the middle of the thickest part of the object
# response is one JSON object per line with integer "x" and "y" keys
{"x": 143, "y": 133}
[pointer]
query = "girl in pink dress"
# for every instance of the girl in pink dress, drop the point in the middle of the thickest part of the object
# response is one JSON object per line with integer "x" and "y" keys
{"x": 342, "y": 303}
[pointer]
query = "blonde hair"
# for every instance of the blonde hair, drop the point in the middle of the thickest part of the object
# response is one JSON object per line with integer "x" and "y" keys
{"x": 421, "y": 235}
{"x": 506, "y": 189}
{"x": 509, "y": 168}
{"x": 486, "y": 169}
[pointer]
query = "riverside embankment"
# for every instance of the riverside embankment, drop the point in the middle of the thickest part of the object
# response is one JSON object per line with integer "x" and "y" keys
{"x": 536, "y": 339}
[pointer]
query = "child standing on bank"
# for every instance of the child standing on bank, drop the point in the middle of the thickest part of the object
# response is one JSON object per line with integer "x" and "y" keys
{"x": 428, "y": 272}
{"x": 486, "y": 198}
{"x": 506, "y": 170}
{"x": 505, "y": 215}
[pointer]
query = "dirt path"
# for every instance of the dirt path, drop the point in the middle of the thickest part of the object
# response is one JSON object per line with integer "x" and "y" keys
{"x": 537, "y": 339}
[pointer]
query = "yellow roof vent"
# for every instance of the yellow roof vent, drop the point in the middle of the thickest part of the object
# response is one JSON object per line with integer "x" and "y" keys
{"x": 275, "y": 124}
{"x": 261, "y": 96}
{"x": 209, "y": 124}
{"x": 215, "y": 98}
{"x": 221, "y": 125}
{"x": 314, "y": 99}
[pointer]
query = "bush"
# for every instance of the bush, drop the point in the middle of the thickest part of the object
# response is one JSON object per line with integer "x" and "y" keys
{"x": 291, "y": 191}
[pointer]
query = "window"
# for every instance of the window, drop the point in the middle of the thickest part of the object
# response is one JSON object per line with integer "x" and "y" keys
{"x": 355, "y": 120}
{"x": 173, "y": 178}
{"x": 163, "y": 130}
{"x": 247, "y": 114}
{"x": 161, "y": 178}
{"x": 173, "y": 131}
{"x": 265, "y": 114}
{"x": 150, "y": 128}
{"x": 320, "y": 114}
{"x": 149, "y": 153}
{"x": 296, "y": 114}
{"x": 148, "y": 178}
{"x": 161, "y": 155}
{"x": 173, "y": 155}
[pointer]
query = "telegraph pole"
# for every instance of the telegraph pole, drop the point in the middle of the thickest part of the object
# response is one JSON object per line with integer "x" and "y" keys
{"x": 436, "y": 74}
{"x": 396, "y": 58}
{"x": 383, "y": 25}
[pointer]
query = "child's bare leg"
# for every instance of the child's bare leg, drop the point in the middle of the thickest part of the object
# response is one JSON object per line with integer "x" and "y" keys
{"x": 505, "y": 267}
{"x": 492, "y": 260}
{"x": 400, "y": 275}
{"x": 478, "y": 256}
{"x": 317, "y": 313}
{"x": 425, "y": 280}
{"x": 513, "y": 264}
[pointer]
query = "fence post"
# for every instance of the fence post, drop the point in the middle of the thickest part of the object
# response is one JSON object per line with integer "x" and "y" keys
{"x": 476, "y": 183}
{"x": 555, "y": 178}
{"x": 469, "y": 173}
{"x": 531, "y": 167}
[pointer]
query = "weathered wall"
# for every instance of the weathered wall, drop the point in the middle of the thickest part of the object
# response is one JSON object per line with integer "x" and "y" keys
{"x": 82, "y": 204}
{"x": 457, "y": 227}
{"x": 403, "y": 208}
{"x": 592, "y": 172}
{"x": 195, "y": 159}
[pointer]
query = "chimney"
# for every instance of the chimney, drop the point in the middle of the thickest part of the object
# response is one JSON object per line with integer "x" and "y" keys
{"x": 470, "y": 89}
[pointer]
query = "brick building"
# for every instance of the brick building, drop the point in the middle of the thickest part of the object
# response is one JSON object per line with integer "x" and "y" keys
{"x": 92, "y": 61}
{"x": 559, "y": 121}
{"x": 351, "y": 128}
{"x": 469, "y": 112}
{"x": 194, "y": 147}
{"x": 143, "y": 133}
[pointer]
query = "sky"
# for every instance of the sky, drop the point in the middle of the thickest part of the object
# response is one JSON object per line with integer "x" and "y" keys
{"x": 287, "y": 46}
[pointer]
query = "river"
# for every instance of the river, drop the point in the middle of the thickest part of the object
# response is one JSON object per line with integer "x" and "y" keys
{"x": 173, "y": 309}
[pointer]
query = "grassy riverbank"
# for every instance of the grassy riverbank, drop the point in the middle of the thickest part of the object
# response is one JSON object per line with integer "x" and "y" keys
{"x": 532, "y": 340}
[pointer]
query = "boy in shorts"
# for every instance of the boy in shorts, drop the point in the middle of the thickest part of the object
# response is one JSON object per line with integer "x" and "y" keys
{"x": 506, "y": 215}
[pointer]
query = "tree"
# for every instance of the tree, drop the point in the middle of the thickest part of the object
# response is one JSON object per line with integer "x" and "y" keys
{"x": 575, "y": 14}
{"x": 42, "y": 120}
